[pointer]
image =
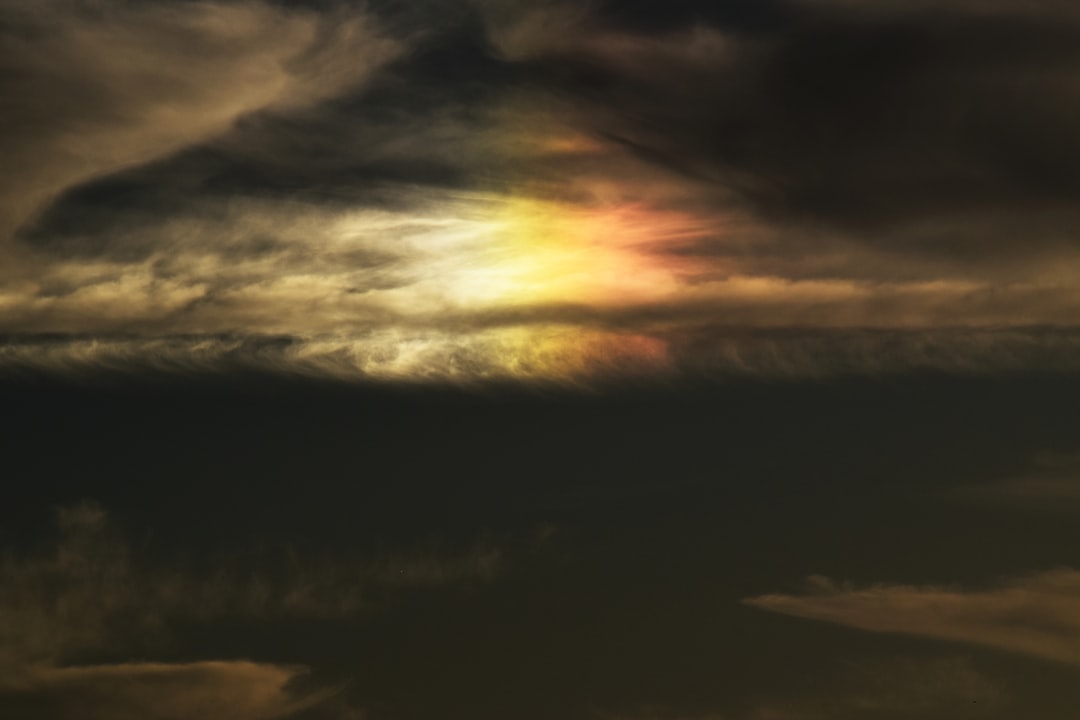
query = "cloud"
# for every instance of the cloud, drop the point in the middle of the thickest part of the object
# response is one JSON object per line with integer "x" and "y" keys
{"x": 1037, "y": 615}
{"x": 530, "y": 171}
{"x": 933, "y": 136}
{"x": 230, "y": 690}
{"x": 467, "y": 285}
{"x": 91, "y": 596}
{"x": 96, "y": 87}
{"x": 554, "y": 350}
{"x": 90, "y": 593}
{"x": 527, "y": 30}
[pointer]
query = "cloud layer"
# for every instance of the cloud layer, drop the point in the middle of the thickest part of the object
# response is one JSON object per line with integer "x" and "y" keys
{"x": 251, "y": 168}
{"x": 559, "y": 353}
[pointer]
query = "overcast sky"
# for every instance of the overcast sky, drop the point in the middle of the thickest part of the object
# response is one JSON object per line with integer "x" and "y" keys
{"x": 538, "y": 359}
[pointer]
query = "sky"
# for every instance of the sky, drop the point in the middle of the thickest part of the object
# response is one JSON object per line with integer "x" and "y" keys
{"x": 536, "y": 359}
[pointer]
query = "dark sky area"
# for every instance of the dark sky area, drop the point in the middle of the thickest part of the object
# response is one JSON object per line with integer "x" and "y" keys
{"x": 544, "y": 360}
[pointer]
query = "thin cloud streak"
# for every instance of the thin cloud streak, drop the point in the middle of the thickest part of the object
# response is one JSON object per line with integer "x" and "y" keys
{"x": 1037, "y": 615}
{"x": 553, "y": 353}
{"x": 215, "y": 690}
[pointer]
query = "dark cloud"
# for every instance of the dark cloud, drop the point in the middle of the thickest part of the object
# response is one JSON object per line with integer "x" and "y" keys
{"x": 915, "y": 129}
{"x": 669, "y": 507}
{"x": 87, "y": 597}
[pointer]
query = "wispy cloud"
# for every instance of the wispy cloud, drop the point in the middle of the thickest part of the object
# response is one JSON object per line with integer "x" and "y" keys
{"x": 554, "y": 350}
{"x": 91, "y": 595}
{"x": 98, "y": 87}
{"x": 1037, "y": 615}
{"x": 229, "y": 690}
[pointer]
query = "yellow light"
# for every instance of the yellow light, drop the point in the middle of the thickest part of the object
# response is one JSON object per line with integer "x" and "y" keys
{"x": 538, "y": 251}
